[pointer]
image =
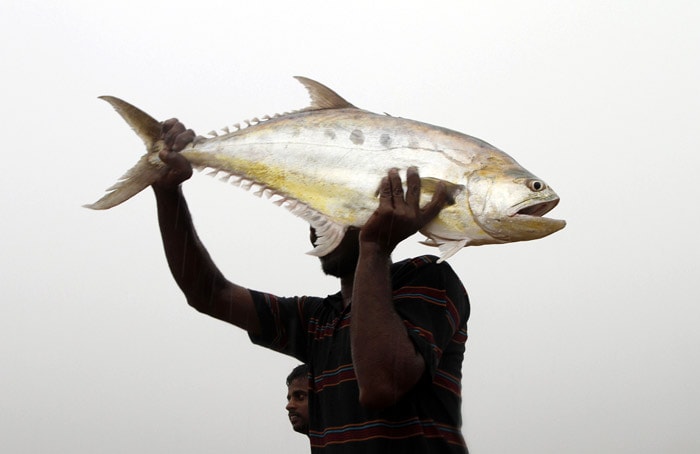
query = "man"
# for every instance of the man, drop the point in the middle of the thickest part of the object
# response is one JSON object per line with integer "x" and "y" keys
{"x": 384, "y": 353}
{"x": 298, "y": 399}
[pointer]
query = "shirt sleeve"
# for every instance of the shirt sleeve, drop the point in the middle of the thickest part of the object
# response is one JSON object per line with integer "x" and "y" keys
{"x": 283, "y": 323}
{"x": 434, "y": 306}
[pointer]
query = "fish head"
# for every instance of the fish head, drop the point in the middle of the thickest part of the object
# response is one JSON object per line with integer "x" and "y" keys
{"x": 509, "y": 204}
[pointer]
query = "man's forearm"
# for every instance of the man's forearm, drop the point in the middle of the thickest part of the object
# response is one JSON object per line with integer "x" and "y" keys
{"x": 204, "y": 286}
{"x": 189, "y": 262}
{"x": 385, "y": 359}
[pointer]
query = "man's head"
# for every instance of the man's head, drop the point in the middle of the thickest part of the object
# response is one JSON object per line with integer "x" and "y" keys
{"x": 342, "y": 260}
{"x": 297, "y": 398}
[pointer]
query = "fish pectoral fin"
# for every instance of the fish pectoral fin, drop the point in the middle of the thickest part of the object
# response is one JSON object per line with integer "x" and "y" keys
{"x": 430, "y": 184}
{"x": 448, "y": 248}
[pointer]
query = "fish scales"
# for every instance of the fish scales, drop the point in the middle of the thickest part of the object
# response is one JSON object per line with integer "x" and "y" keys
{"x": 310, "y": 163}
{"x": 325, "y": 162}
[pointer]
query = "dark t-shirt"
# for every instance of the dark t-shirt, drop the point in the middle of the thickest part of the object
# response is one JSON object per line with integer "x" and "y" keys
{"x": 434, "y": 306}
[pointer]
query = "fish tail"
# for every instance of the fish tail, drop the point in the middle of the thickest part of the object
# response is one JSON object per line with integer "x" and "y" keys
{"x": 147, "y": 169}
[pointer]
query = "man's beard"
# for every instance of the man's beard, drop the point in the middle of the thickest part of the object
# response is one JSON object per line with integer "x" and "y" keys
{"x": 342, "y": 260}
{"x": 340, "y": 265}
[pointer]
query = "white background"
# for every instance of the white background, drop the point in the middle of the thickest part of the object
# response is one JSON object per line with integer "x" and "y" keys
{"x": 585, "y": 341}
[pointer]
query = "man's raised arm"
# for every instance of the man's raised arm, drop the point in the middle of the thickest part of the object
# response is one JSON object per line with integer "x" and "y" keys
{"x": 205, "y": 288}
{"x": 386, "y": 362}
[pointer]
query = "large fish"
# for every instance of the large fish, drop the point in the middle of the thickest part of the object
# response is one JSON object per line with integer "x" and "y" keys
{"x": 324, "y": 163}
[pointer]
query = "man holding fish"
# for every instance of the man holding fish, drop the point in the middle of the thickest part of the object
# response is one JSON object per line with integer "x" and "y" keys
{"x": 385, "y": 353}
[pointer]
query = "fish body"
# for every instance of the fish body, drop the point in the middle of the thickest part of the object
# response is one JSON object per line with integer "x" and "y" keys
{"x": 324, "y": 163}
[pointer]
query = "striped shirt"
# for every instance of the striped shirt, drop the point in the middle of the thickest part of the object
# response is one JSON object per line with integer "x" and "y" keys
{"x": 434, "y": 306}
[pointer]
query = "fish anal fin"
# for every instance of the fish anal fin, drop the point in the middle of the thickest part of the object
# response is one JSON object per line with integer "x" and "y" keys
{"x": 329, "y": 233}
{"x": 323, "y": 97}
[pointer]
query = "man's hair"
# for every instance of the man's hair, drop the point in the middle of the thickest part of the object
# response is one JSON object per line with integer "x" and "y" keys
{"x": 302, "y": 370}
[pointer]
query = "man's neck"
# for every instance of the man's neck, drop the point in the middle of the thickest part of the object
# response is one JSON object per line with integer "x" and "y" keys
{"x": 346, "y": 285}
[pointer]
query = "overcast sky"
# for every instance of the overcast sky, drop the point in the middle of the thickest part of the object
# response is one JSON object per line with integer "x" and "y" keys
{"x": 584, "y": 341}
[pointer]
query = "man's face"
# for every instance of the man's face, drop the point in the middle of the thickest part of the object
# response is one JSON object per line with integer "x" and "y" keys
{"x": 298, "y": 404}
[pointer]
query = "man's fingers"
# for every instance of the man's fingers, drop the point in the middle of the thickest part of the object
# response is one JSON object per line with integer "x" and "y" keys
{"x": 182, "y": 140}
{"x": 170, "y": 130}
{"x": 395, "y": 181}
{"x": 397, "y": 200}
{"x": 168, "y": 127}
{"x": 178, "y": 164}
{"x": 437, "y": 203}
{"x": 412, "y": 187}
{"x": 168, "y": 124}
{"x": 175, "y": 137}
{"x": 385, "y": 193}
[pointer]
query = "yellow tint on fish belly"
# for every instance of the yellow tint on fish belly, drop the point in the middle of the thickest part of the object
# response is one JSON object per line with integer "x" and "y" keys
{"x": 322, "y": 196}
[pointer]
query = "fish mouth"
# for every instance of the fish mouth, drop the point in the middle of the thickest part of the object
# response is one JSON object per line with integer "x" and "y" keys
{"x": 525, "y": 221}
{"x": 534, "y": 208}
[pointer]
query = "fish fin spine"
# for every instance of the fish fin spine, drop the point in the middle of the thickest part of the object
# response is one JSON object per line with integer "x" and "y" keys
{"x": 329, "y": 233}
{"x": 322, "y": 98}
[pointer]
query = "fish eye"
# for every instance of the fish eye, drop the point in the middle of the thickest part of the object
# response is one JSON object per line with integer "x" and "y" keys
{"x": 536, "y": 185}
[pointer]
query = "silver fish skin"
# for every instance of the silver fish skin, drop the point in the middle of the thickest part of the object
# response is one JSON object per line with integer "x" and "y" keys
{"x": 324, "y": 163}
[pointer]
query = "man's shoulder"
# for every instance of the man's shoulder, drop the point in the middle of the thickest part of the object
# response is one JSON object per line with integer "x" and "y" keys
{"x": 420, "y": 262}
{"x": 416, "y": 262}
{"x": 426, "y": 277}
{"x": 424, "y": 266}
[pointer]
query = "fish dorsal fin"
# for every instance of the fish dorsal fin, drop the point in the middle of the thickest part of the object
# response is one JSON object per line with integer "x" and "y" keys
{"x": 323, "y": 97}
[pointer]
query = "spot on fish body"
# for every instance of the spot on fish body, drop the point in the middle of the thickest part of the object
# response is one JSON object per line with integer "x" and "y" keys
{"x": 357, "y": 137}
{"x": 385, "y": 140}
{"x": 330, "y": 134}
